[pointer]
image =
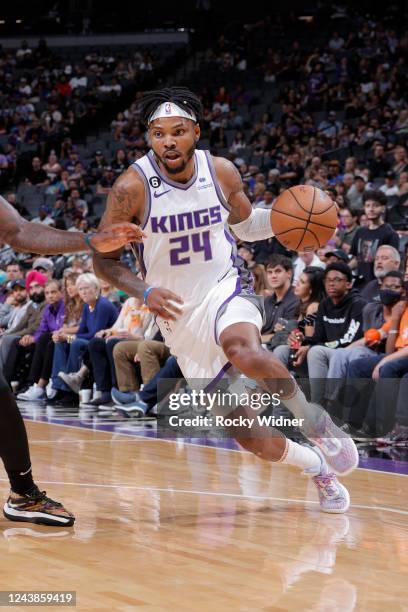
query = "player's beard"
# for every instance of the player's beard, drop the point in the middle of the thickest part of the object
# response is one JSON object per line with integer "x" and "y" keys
{"x": 183, "y": 162}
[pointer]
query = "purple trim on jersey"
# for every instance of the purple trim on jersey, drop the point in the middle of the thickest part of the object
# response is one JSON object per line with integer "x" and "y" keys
{"x": 148, "y": 197}
{"x": 219, "y": 376}
{"x": 166, "y": 179}
{"x": 236, "y": 292}
{"x": 238, "y": 262}
{"x": 217, "y": 187}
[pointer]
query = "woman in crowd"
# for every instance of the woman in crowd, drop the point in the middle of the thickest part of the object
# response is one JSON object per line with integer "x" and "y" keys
{"x": 68, "y": 371}
{"x": 309, "y": 289}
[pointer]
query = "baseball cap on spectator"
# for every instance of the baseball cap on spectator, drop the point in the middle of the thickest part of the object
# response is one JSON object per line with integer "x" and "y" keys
{"x": 43, "y": 263}
{"x": 361, "y": 177}
{"x": 35, "y": 277}
{"x": 274, "y": 172}
{"x": 98, "y": 152}
{"x": 45, "y": 208}
{"x": 339, "y": 253}
{"x": 391, "y": 175}
{"x": 18, "y": 282}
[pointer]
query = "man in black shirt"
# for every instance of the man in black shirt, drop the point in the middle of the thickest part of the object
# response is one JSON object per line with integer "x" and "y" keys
{"x": 37, "y": 176}
{"x": 367, "y": 239}
{"x": 339, "y": 322}
{"x": 282, "y": 303}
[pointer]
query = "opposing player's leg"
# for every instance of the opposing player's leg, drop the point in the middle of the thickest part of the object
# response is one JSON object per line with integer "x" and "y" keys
{"x": 26, "y": 502}
{"x": 241, "y": 344}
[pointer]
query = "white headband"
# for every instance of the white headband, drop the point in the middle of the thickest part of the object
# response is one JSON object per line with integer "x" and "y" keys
{"x": 169, "y": 109}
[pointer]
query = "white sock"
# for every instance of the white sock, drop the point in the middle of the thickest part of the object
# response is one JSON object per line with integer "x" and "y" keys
{"x": 302, "y": 409}
{"x": 301, "y": 456}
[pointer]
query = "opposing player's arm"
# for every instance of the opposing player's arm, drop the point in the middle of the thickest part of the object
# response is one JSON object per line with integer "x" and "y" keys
{"x": 247, "y": 224}
{"x": 23, "y": 235}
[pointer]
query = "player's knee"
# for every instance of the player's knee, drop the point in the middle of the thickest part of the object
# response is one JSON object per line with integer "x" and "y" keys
{"x": 243, "y": 357}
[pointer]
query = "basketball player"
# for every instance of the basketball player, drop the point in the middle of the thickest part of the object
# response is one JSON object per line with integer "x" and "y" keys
{"x": 195, "y": 284}
{"x": 26, "y": 502}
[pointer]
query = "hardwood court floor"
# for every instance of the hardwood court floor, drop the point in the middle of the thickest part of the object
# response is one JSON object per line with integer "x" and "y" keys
{"x": 168, "y": 526}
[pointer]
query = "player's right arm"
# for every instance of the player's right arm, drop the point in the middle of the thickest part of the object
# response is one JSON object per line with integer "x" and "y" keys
{"x": 125, "y": 203}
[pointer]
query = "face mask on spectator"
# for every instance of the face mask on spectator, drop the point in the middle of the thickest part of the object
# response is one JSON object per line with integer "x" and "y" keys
{"x": 388, "y": 297}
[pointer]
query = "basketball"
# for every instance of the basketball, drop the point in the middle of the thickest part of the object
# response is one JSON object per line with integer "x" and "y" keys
{"x": 303, "y": 218}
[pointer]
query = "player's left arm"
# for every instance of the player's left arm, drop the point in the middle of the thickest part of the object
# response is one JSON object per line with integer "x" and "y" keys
{"x": 247, "y": 223}
{"x": 23, "y": 235}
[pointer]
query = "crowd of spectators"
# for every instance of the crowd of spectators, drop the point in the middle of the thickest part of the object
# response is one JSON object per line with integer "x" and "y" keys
{"x": 335, "y": 117}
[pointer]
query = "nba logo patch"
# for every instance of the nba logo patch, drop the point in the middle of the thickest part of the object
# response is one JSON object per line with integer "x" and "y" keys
{"x": 167, "y": 108}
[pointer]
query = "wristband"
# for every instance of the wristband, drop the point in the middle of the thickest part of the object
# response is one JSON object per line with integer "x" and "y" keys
{"x": 87, "y": 239}
{"x": 146, "y": 294}
{"x": 393, "y": 331}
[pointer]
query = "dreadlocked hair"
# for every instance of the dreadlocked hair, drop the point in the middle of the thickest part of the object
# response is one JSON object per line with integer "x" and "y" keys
{"x": 181, "y": 96}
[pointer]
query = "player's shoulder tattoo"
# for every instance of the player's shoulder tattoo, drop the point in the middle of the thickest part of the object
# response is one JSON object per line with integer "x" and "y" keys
{"x": 228, "y": 174}
{"x": 124, "y": 197}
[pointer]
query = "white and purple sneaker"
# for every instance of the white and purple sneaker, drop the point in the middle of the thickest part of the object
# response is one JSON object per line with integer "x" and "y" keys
{"x": 336, "y": 445}
{"x": 333, "y": 496}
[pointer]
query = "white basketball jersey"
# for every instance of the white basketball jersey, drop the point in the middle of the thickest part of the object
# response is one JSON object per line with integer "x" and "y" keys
{"x": 188, "y": 248}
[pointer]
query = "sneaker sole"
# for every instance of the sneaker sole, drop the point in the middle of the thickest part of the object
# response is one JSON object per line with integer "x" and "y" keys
{"x": 37, "y": 517}
{"x": 130, "y": 414}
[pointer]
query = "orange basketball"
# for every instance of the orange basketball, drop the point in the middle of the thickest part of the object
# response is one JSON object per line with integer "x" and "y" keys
{"x": 303, "y": 218}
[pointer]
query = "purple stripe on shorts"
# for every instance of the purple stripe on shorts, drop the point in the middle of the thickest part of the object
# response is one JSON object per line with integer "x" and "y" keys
{"x": 148, "y": 198}
{"x": 236, "y": 292}
{"x": 219, "y": 376}
{"x": 220, "y": 195}
{"x": 166, "y": 179}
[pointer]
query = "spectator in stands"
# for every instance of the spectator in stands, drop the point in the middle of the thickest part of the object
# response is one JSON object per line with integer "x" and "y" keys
{"x": 349, "y": 226}
{"x": 120, "y": 162}
{"x": 39, "y": 376}
{"x": 400, "y": 164}
{"x": 338, "y": 323}
{"x": 392, "y": 364}
{"x": 45, "y": 266}
{"x": 283, "y": 303}
{"x": 379, "y": 166}
{"x": 367, "y": 239}
{"x": 387, "y": 259}
{"x": 98, "y": 313}
{"x": 52, "y": 168}
{"x": 97, "y": 166}
{"x": 37, "y": 176}
{"x": 150, "y": 354}
{"x": 14, "y": 270}
{"x": 390, "y": 187}
{"x": 16, "y": 299}
{"x": 304, "y": 259}
{"x": 104, "y": 184}
{"x": 309, "y": 291}
{"x": 21, "y": 333}
{"x": 44, "y": 216}
{"x": 40, "y": 345}
{"x": 261, "y": 285}
{"x": 356, "y": 191}
{"x": 128, "y": 326}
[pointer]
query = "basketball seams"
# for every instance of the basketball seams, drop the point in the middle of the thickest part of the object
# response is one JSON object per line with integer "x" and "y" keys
{"x": 297, "y": 201}
{"x": 308, "y": 220}
{"x": 286, "y": 214}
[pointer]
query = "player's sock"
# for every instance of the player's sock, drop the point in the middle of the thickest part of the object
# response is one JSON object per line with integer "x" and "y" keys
{"x": 302, "y": 456}
{"x": 14, "y": 449}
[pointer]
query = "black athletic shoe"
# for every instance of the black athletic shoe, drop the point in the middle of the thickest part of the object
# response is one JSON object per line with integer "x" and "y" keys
{"x": 36, "y": 507}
